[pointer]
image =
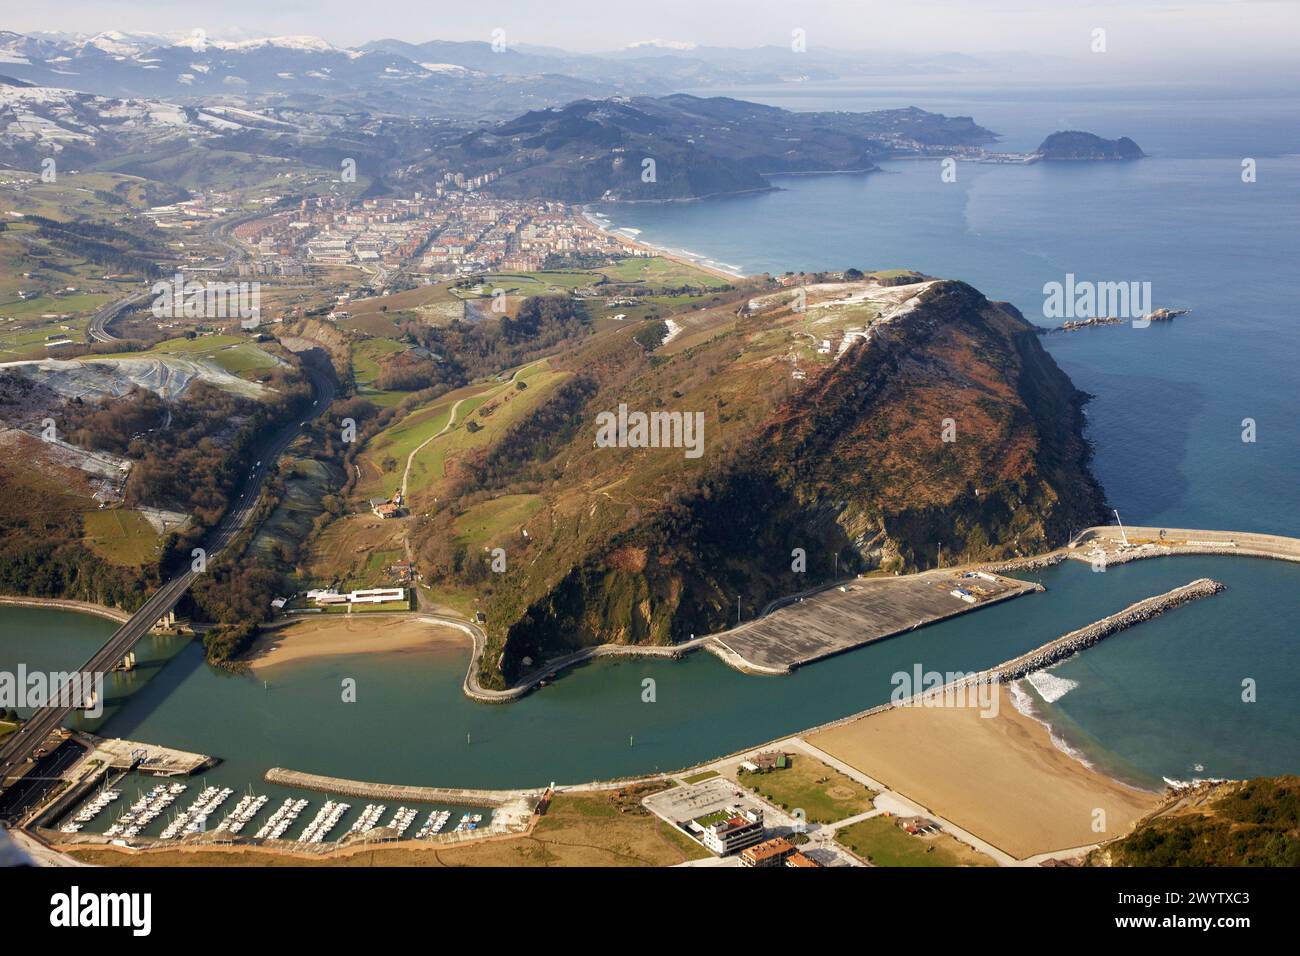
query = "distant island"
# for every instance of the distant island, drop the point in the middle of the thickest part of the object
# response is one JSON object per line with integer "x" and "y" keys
{"x": 1077, "y": 145}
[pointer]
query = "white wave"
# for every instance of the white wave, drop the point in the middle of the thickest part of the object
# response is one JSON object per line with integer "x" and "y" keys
{"x": 1050, "y": 687}
{"x": 1023, "y": 702}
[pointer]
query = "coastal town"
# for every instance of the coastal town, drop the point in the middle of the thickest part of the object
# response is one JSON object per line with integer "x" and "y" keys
{"x": 454, "y": 230}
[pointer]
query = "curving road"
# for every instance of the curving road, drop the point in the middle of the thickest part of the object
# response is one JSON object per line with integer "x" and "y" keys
{"x": 21, "y": 745}
{"x": 98, "y": 327}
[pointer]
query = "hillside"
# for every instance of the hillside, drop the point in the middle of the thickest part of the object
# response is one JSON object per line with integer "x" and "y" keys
{"x": 1232, "y": 823}
{"x": 1076, "y": 145}
{"x": 598, "y": 149}
{"x": 822, "y": 429}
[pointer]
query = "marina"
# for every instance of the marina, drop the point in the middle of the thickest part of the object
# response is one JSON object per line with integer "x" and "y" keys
{"x": 369, "y": 818}
{"x": 402, "y": 820}
{"x": 194, "y": 818}
{"x": 147, "y": 808}
{"x": 326, "y": 819}
{"x": 282, "y": 819}
{"x": 248, "y": 807}
{"x": 433, "y": 825}
{"x": 91, "y": 809}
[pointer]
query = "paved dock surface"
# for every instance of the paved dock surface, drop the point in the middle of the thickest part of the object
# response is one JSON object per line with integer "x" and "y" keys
{"x": 865, "y": 610}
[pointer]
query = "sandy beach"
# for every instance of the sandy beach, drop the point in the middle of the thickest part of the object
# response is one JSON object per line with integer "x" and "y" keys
{"x": 335, "y": 634}
{"x": 999, "y": 777}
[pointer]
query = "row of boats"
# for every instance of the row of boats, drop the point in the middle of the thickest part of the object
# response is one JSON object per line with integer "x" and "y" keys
{"x": 193, "y": 818}
{"x": 281, "y": 819}
{"x": 326, "y": 819}
{"x": 437, "y": 820}
{"x": 149, "y": 807}
{"x": 249, "y": 806}
{"x": 91, "y": 809}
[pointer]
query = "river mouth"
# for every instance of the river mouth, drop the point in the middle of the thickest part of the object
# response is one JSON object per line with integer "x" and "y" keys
{"x": 1153, "y": 702}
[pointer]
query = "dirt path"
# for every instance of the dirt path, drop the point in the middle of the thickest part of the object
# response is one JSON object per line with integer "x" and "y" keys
{"x": 451, "y": 422}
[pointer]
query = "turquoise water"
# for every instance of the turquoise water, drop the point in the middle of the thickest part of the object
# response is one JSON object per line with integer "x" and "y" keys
{"x": 1155, "y": 701}
{"x": 411, "y": 723}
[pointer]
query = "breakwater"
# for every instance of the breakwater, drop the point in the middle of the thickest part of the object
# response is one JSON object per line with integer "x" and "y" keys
{"x": 396, "y": 792}
{"x": 1052, "y": 652}
{"x": 1063, "y": 647}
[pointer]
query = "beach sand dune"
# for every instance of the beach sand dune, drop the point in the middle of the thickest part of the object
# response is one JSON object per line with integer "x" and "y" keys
{"x": 329, "y": 635}
{"x": 1001, "y": 778}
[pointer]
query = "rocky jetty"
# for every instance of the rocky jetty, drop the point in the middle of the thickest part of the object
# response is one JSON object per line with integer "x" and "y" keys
{"x": 1084, "y": 637}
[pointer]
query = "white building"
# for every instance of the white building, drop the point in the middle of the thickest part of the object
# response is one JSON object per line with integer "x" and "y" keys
{"x": 327, "y": 596}
{"x": 742, "y": 828}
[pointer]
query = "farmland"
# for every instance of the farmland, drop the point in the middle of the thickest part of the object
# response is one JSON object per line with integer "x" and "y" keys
{"x": 121, "y": 536}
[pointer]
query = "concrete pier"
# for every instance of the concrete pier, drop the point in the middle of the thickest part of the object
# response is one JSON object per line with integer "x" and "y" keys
{"x": 860, "y": 612}
{"x": 156, "y": 760}
{"x": 1106, "y": 545}
{"x": 398, "y": 792}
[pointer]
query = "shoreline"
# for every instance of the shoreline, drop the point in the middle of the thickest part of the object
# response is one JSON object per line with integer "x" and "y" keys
{"x": 68, "y": 604}
{"x": 1002, "y": 778}
{"x": 702, "y": 262}
{"x": 301, "y": 640}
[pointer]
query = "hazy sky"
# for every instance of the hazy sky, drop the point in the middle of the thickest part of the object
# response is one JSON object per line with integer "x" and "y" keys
{"x": 1161, "y": 30}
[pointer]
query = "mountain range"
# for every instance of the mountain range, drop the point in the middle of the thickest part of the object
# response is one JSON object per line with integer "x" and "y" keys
{"x": 464, "y": 79}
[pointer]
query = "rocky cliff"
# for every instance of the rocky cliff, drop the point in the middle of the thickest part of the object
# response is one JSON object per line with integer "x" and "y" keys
{"x": 949, "y": 434}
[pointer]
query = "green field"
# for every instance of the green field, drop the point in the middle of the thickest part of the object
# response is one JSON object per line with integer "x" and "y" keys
{"x": 881, "y": 842}
{"x": 823, "y": 793}
{"x": 431, "y": 464}
{"x": 366, "y": 356}
{"x": 238, "y": 359}
{"x": 399, "y": 440}
{"x": 122, "y": 536}
{"x": 700, "y": 777}
{"x": 389, "y": 607}
{"x": 531, "y": 283}
{"x": 491, "y": 521}
{"x": 658, "y": 271}
{"x": 71, "y": 304}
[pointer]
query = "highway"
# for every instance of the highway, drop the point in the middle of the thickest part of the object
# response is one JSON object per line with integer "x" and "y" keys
{"x": 98, "y": 328}
{"x": 21, "y": 745}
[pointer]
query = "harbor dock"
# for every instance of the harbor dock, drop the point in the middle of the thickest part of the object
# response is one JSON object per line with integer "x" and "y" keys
{"x": 857, "y": 613}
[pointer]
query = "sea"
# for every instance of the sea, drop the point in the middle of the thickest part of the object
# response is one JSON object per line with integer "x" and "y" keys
{"x": 1209, "y": 690}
